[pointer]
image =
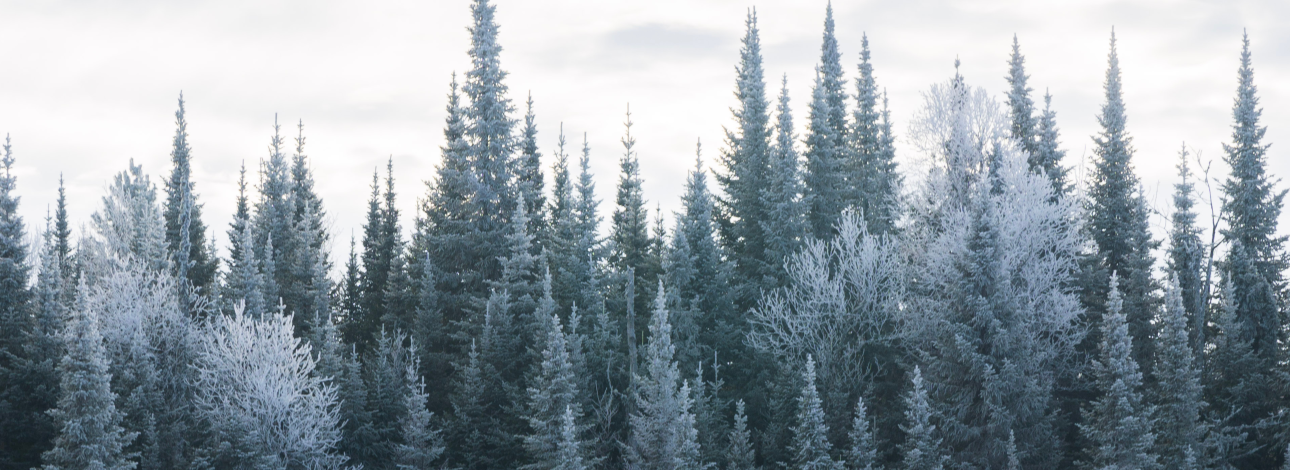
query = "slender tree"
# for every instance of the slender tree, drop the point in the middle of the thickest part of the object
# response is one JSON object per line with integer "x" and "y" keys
{"x": 871, "y": 168}
{"x": 863, "y": 453}
{"x": 783, "y": 195}
{"x": 1256, "y": 260}
{"x": 1117, "y": 224}
{"x": 185, "y": 231}
{"x": 1178, "y": 394}
{"x": 922, "y": 447}
{"x": 826, "y": 181}
{"x": 1119, "y": 423}
{"x": 811, "y": 445}
{"x": 1186, "y": 257}
{"x": 662, "y": 434}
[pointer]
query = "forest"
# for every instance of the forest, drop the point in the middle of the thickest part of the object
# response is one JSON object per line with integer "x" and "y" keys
{"x": 813, "y": 306}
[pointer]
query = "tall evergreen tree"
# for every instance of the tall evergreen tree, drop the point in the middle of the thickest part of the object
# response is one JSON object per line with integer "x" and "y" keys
{"x": 826, "y": 178}
{"x": 811, "y": 445}
{"x": 90, "y": 433}
{"x": 14, "y": 294}
{"x": 871, "y": 169}
{"x": 529, "y": 181}
{"x": 746, "y": 167}
{"x": 786, "y": 209}
{"x": 1021, "y": 108}
{"x": 1177, "y": 392}
{"x": 1048, "y": 153}
{"x": 422, "y": 444}
{"x": 1117, "y": 224}
{"x": 1119, "y": 423}
{"x": 629, "y": 235}
{"x": 922, "y": 447}
{"x": 1186, "y": 257}
{"x": 185, "y": 231}
{"x": 700, "y": 278}
{"x": 1256, "y": 261}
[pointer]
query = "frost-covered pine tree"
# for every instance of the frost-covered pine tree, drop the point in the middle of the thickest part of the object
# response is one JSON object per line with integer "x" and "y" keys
{"x": 185, "y": 230}
{"x": 629, "y": 233}
{"x": 1118, "y": 226}
{"x": 826, "y": 178}
{"x": 128, "y": 229}
{"x": 1256, "y": 261}
{"x": 745, "y": 166}
{"x": 740, "y": 454}
{"x": 552, "y": 393}
{"x": 922, "y": 447}
{"x": 662, "y": 434}
{"x": 871, "y": 166}
{"x": 422, "y": 444}
{"x": 1178, "y": 394}
{"x": 1048, "y": 153}
{"x": 863, "y": 452}
{"x": 1119, "y": 423}
{"x": 811, "y": 445}
{"x": 14, "y": 313}
{"x": 362, "y": 328}
{"x": 785, "y": 225}
{"x": 1021, "y": 108}
{"x": 90, "y": 433}
{"x": 1186, "y": 258}
{"x": 529, "y": 181}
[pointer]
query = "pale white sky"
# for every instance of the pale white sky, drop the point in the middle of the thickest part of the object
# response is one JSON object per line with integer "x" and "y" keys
{"x": 87, "y": 85}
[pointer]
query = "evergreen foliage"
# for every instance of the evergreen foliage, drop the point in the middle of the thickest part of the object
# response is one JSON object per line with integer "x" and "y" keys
{"x": 922, "y": 447}
{"x": 1119, "y": 423}
{"x": 185, "y": 230}
{"x": 786, "y": 209}
{"x": 1117, "y": 224}
{"x": 863, "y": 453}
{"x": 871, "y": 169}
{"x": 662, "y": 434}
{"x": 811, "y": 445}
{"x": 740, "y": 454}
{"x": 1178, "y": 395}
{"x": 1186, "y": 257}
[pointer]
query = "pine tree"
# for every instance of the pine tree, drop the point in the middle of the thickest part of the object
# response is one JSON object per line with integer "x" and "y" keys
{"x": 745, "y": 165}
{"x": 1118, "y": 225}
{"x": 28, "y": 376}
{"x": 662, "y": 434}
{"x": 1048, "y": 153}
{"x": 1119, "y": 423}
{"x": 274, "y": 221}
{"x": 1186, "y": 257}
{"x": 629, "y": 235}
{"x": 422, "y": 444}
{"x": 570, "y": 457}
{"x": 826, "y": 137}
{"x": 740, "y": 454}
{"x": 1178, "y": 394}
{"x": 1022, "y": 109}
{"x": 241, "y": 255}
{"x": 872, "y": 167}
{"x": 1256, "y": 261}
{"x": 786, "y": 224}
{"x": 552, "y": 394}
{"x": 445, "y": 227}
{"x": 304, "y": 286}
{"x": 185, "y": 231}
{"x": 863, "y": 453}
{"x": 922, "y": 447}
{"x": 529, "y": 180}
{"x": 385, "y": 379}
{"x": 90, "y": 433}
{"x": 811, "y": 445}
{"x": 14, "y": 294}
{"x": 1233, "y": 375}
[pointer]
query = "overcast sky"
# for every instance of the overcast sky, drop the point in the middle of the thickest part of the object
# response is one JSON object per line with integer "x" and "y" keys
{"x": 85, "y": 86}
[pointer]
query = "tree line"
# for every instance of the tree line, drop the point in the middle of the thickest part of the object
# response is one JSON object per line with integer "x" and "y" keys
{"x": 812, "y": 306}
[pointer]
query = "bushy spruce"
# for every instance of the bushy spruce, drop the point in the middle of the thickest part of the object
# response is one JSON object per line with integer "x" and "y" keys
{"x": 863, "y": 452}
{"x": 922, "y": 447}
{"x": 1177, "y": 395}
{"x": 811, "y": 447}
{"x": 662, "y": 435}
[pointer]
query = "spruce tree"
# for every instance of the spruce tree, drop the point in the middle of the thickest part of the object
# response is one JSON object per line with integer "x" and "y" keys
{"x": 571, "y": 453}
{"x": 1048, "y": 153}
{"x": 871, "y": 167}
{"x": 662, "y": 434}
{"x": 826, "y": 176}
{"x": 1118, "y": 226}
{"x": 740, "y": 454}
{"x": 552, "y": 394}
{"x": 629, "y": 235}
{"x": 745, "y": 165}
{"x": 863, "y": 453}
{"x": 422, "y": 444}
{"x": 811, "y": 445}
{"x": 922, "y": 447}
{"x": 28, "y": 376}
{"x": 14, "y": 294}
{"x": 700, "y": 277}
{"x": 1178, "y": 395}
{"x": 1256, "y": 260}
{"x": 529, "y": 180}
{"x": 274, "y": 219}
{"x": 1186, "y": 257}
{"x": 305, "y": 256}
{"x": 1021, "y": 108}
{"x": 786, "y": 209}
{"x": 1119, "y": 423}
{"x": 185, "y": 231}
{"x": 90, "y": 433}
